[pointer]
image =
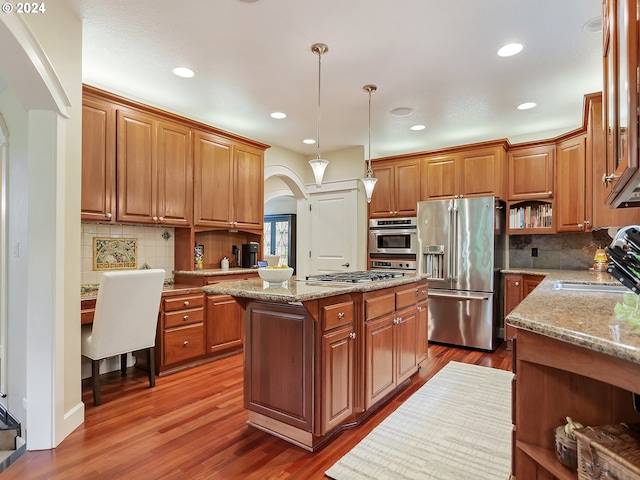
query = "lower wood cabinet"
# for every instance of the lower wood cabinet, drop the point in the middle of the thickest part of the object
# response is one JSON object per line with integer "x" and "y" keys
{"x": 224, "y": 324}
{"x": 423, "y": 322}
{"x": 516, "y": 287}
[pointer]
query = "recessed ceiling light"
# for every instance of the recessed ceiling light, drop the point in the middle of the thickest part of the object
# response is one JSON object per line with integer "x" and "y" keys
{"x": 183, "y": 72}
{"x": 401, "y": 111}
{"x": 593, "y": 26}
{"x": 526, "y": 105}
{"x": 510, "y": 49}
{"x": 309, "y": 141}
{"x": 418, "y": 127}
{"x": 278, "y": 115}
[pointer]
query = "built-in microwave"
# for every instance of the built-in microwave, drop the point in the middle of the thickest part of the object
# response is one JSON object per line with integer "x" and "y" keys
{"x": 393, "y": 236}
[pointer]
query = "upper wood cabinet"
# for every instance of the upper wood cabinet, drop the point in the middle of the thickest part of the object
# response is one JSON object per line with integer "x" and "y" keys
{"x": 154, "y": 168}
{"x": 228, "y": 184}
{"x": 475, "y": 172}
{"x": 98, "y": 160}
{"x": 531, "y": 172}
{"x": 571, "y": 196}
{"x": 397, "y": 191}
{"x": 621, "y": 99}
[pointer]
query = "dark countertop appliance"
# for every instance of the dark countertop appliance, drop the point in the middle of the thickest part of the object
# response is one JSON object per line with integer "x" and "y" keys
{"x": 249, "y": 257}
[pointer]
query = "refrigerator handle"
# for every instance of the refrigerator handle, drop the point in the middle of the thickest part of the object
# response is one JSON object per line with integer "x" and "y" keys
{"x": 450, "y": 236}
{"x": 453, "y": 245}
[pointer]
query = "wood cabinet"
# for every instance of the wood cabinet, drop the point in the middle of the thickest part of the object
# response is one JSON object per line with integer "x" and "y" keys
{"x": 154, "y": 169}
{"x": 471, "y": 172}
{"x": 516, "y": 288}
{"x": 397, "y": 190}
{"x": 423, "y": 322}
{"x": 571, "y": 186}
{"x": 228, "y": 184}
{"x": 180, "y": 337}
{"x": 554, "y": 379}
{"x": 531, "y": 172}
{"x": 621, "y": 57}
{"x": 224, "y": 324}
{"x": 391, "y": 341}
{"x": 98, "y": 200}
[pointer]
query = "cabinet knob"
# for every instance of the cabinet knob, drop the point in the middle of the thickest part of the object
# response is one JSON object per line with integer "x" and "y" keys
{"x": 185, "y": 318}
{"x": 581, "y": 226}
{"x": 341, "y": 315}
{"x": 607, "y": 179}
{"x": 417, "y": 292}
{"x": 155, "y": 219}
{"x": 420, "y": 309}
{"x": 161, "y": 219}
{"x": 587, "y": 222}
{"x": 185, "y": 343}
{"x": 186, "y": 303}
{"x": 108, "y": 215}
{"x": 517, "y": 284}
{"x": 424, "y": 292}
{"x": 352, "y": 335}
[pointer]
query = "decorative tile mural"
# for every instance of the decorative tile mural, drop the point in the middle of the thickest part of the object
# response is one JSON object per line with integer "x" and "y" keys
{"x": 114, "y": 253}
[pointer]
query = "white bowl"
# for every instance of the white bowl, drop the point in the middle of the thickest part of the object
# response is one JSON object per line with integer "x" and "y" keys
{"x": 275, "y": 275}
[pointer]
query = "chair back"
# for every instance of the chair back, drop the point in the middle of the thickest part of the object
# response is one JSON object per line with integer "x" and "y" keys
{"x": 126, "y": 313}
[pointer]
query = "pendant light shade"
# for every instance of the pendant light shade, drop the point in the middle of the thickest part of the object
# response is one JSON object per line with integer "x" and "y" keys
{"x": 318, "y": 164}
{"x": 369, "y": 182}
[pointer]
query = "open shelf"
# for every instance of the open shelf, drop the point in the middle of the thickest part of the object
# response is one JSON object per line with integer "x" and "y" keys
{"x": 530, "y": 217}
{"x": 547, "y": 459}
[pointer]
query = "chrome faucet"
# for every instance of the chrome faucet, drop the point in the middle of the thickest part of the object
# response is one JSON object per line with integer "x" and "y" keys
{"x": 619, "y": 238}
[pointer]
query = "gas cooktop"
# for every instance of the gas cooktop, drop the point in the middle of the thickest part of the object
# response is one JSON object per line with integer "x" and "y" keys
{"x": 363, "y": 276}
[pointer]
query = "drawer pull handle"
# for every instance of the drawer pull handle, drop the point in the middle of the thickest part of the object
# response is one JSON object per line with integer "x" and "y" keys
{"x": 186, "y": 303}
{"x": 186, "y": 317}
{"x": 341, "y": 315}
{"x": 185, "y": 343}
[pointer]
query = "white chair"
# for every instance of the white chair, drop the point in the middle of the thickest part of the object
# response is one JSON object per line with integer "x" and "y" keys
{"x": 125, "y": 320}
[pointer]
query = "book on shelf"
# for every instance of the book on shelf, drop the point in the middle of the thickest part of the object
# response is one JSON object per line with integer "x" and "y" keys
{"x": 530, "y": 216}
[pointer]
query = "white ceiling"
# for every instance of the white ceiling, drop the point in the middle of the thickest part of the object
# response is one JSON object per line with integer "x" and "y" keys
{"x": 438, "y": 57}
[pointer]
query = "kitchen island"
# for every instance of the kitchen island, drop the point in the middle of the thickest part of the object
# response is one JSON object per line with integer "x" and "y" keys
{"x": 322, "y": 356}
{"x": 572, "y": 357}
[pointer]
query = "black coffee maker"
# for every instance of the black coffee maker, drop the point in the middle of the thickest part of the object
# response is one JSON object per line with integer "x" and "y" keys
{"x": 250, "y": 254}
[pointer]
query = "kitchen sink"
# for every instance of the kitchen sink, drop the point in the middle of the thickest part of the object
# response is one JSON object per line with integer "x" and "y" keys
{"x": 589, "y": 287}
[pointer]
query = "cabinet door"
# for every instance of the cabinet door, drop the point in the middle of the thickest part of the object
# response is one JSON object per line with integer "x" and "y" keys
{"x": 338, "y": 354}
{"x": 136, "y": 168}
{"x": 570, "y": 214}
{"x": 381, "y": 205}
{"x": 213, "y": 180}
{"x": 423, "y": 331}
{"x": 407, "y": 188}
{"x": 175, "y": 174}
{"x": 98, "y": 161}
{"x": 513, "y": 295}
{"x": 529, "y": 283}
{"x": 248, "y": 188}
{"x": 531, "y": 172}
{"x": 379, "y": 358}
{"x": 439, "y": 177}
{"x": 481, "y": 173}
{"x": 406, "y": 343}
{"x": 224, "y": 323}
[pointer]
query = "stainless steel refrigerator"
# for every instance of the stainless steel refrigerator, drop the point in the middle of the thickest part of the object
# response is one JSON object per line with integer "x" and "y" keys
{"x": 461, "y": 244}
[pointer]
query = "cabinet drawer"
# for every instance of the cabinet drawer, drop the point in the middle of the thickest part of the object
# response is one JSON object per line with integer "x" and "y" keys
{"x": 338, "y": 314}
{"x": 377, "y": 306}
{"x": 183, "y": 317}
{"x": 406, "y": 298}
{"x": 187, "y": 301}
{"x": 183, "y": 343}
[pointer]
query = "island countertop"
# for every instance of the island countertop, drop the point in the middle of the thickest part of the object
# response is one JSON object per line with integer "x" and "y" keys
{"x": 585, "y": 319}
{"x": 299, "y": 290}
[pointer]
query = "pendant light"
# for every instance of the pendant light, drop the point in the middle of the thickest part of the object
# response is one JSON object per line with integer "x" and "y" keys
{"x": 318, "y": 164}
{"x": 368, "y": 181}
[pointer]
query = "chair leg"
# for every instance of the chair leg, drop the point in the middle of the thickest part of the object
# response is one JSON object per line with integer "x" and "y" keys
{"x": 151, "y": 364}
{"x": 123, "y": 364}
{"x": 95, "y": 374}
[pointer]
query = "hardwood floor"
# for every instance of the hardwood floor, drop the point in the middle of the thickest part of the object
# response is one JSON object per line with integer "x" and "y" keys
{"x": 192, "y": 425}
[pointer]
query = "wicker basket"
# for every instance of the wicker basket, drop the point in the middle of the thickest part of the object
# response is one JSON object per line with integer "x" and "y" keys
{"x": 609, "y": 452}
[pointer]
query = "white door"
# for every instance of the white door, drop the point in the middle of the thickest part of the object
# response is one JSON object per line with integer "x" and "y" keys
{"x": 333, "y": 231}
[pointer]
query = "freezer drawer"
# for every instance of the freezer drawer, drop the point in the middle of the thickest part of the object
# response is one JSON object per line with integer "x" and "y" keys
{"x": 462, "y": 318}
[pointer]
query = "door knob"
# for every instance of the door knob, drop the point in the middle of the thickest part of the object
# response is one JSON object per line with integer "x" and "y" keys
{"x": 345, "y": 265}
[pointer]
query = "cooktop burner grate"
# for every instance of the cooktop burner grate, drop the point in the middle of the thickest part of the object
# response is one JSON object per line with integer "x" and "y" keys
{"x": 363, "y": 276}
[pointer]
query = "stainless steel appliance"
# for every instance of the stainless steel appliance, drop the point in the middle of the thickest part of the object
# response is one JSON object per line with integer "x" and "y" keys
{"x": 461, "y": 244}
{"x": 362, "y": 276}
{"x": 393, "y": 264}
{"x": 393, "y": 236}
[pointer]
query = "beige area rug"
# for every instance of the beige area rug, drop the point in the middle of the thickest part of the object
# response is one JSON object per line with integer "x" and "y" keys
{"x": 455, "y": 427}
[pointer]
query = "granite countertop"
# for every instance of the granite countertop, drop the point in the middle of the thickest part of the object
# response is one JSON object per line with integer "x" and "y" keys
{"x": 212, "y": 272}
{"x": 585, "y": 319}
{"x": 90, "y": 291}
{"x": 295, "y": 291}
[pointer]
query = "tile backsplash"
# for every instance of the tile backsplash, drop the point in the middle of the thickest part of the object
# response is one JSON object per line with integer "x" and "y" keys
{"x": 155, "y": 247}
{"x": 564, "y": 251}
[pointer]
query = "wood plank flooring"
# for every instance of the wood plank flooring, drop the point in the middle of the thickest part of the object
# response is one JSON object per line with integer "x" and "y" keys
{"x": 192, "y": 426}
